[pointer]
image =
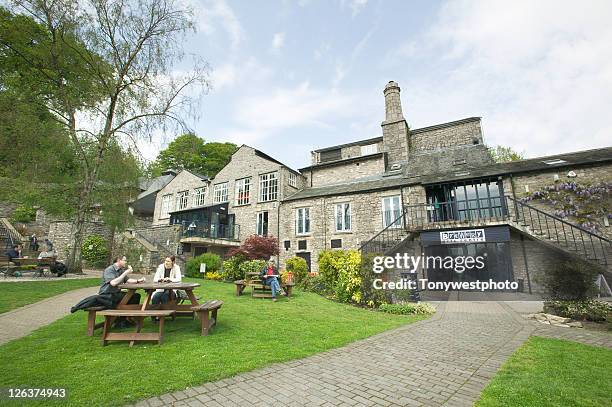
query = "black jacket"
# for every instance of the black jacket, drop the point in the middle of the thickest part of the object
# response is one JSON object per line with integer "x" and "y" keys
{"x": 98, "y": 300}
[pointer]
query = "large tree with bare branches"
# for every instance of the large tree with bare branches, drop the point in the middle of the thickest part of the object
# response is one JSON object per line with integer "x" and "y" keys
{"x": 110, "y": 74}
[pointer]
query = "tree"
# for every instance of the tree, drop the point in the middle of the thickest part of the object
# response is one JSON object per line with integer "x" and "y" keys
{"x": 190, "y": 152}
{"x": 501, "y": 154}
{"x": 106, "y": 70}
{"x": 256, "y": 247}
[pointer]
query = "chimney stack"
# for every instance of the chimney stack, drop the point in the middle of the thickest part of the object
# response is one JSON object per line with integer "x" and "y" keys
{"x": 395, "y": 129}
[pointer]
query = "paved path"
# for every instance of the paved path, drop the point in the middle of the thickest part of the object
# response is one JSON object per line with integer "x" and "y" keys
{"x": 446, "y": 360}
{"x": 22, "y": 321}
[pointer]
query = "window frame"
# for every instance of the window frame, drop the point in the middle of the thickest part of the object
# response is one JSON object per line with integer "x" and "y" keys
{"x": 292, "y": 180}
{"x": 342, "y": 205}
{"x": 399, "y": 209}
{"x": 267, "y": 187}
{"x": 305, "y": 221}
{"x": 267, "y": 223}
{"x": 182, "y": 200}
{"x": 166, "y": 206}
{"x": 221, "y": 187}
{"x": 366, "y": 149}
{"x": 245, "y": 184}
{"x": 199, "y": 196}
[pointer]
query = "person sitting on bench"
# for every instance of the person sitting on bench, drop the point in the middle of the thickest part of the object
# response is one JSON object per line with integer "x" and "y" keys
{"x": 167, "y": 272}
{"x": 116, "y": 274}
{"x": 269, "y": 276}
{"x": 14, "y": 253}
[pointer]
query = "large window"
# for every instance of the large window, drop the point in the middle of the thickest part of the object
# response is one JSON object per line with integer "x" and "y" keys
{"x": 166, "y": 206}
{"x": 302, "y": 221}
{"x": 182, "y": 200}
{"x": 391, "y": 211}
{"x": 199, "y": 196}
{"x": 292, "y": 180}
{"x": 243, "y": 191}
{"x": 369, "y": 149}
{"x": 220, "y": 192}
{"x": 268, "y": 187}
{"x": 262, "y": 223}
{"x": 471, "y": 199}
{"x": 343, "y": 217}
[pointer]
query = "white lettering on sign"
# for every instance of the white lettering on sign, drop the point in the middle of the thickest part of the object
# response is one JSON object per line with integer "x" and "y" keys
{"x": 462, "y": 236}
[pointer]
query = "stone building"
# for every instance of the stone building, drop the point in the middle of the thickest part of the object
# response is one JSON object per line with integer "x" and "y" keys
{"x": 435, "y": 189}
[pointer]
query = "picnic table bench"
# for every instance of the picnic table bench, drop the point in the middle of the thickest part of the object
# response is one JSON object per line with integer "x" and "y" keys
{"x": 208, "y": 314}
{"x": 139, "y": 316}
{"x": 8, "y": 269}
{"x": 258, "y": 289}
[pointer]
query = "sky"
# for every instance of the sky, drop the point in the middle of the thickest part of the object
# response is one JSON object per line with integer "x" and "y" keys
{"x": 288, "y": 77}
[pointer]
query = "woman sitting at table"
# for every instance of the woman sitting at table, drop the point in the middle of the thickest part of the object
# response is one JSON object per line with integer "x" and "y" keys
{"x": 167, "y": 272}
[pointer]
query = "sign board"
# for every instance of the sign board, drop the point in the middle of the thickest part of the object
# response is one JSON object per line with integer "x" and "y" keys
{"x": 202, "y": 268}
{"x": 462, "y": 236}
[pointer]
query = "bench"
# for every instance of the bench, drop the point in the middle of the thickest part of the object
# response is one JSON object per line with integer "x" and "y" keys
{"x": 240, "y": 285}
{"x": 207, "y": 313}
{"x": 8, "y": 269}
{"x": 91, "y": 319}
{"x": 260, "y": 290}
{"x": 139, "y": 315}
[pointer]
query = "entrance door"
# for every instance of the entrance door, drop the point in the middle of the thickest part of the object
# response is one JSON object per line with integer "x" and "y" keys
{"x": 305, "y": 256}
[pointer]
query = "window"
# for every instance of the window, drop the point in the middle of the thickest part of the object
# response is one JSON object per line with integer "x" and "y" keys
{"x": 268, "y": 187}
{"x": 182, "y": 200}
{"x": 302, "y": 221}
{"x": 262, "y": 223}
{"x": 199, "y": 195}
{"x": 555, "y": 161}
{"x": 292, "y": 180}
{"x": 343, "y": 217}
{"x": 220, "y": 192}
{"x": 336, "y": 243}
{"x": 166, "y": 206}
{"x": 243, "y": 191}
{"x": 302, "y": 245}
{"x": 391, "y": 211}
{"x": 369, "y": 149}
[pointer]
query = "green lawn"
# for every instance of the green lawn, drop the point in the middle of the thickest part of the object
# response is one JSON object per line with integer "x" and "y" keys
{"x": 18, "y": 294}
{"x": 552, "y": 372}
{"x": 251, "y": 333}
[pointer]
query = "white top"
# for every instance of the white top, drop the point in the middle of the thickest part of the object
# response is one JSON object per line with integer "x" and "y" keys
{"x": 175, "y": 274}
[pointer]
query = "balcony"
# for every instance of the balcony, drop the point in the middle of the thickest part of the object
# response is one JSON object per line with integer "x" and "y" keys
{"x": 213, "y": 235}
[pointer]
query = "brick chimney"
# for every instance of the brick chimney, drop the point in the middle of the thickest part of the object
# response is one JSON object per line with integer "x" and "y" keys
{"x": 395, "y": 128}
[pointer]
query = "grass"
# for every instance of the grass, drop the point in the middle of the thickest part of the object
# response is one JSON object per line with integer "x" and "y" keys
{"x": 251, "y": 333}
{"x": 18, "y": 294}
{"x": 552, "y": 372}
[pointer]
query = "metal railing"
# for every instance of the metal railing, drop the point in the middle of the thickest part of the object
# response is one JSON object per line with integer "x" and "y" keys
{"x": 421, "y": 216}
{"x": 387, "y": 238}
{"x": 575, "y": 238}
{"x": 218, "y": 231}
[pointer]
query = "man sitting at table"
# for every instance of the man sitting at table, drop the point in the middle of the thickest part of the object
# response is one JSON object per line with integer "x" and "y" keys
{"x": 116, "y": 274}
{"x": 14, "y": 253}
{"x": 167, "y": 272}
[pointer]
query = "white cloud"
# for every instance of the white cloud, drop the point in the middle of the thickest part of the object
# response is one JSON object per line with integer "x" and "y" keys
{"x": 323, "y": 49}
{"x": 264, "y": 115}
{"x": 539, "y": 73}
{"x": 355, "y": 5}
{"x": 232, "y": 74}
{"x": 214, "y": 13}
{"x": 278, "y": 40}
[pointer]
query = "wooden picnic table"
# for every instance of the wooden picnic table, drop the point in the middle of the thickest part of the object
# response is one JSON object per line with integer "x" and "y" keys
{"x": 150, "y": 287}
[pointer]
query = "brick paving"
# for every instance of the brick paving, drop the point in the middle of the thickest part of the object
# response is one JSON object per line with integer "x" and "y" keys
{"x": 446, "y": 360}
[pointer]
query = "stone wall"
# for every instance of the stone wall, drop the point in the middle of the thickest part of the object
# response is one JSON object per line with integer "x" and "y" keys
{"x": 366, "y": 221}
{"x": 184, "y": 181}
{"x": 347, "y": 172}
{"x": 445, "y": 136}
{"x": 6, "y": 209}
{"x": 60, "y": 233}
{"x": 453, "y": 159}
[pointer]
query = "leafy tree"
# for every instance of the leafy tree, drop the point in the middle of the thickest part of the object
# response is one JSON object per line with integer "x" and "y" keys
{"x": 190, "y": 152}
{"x": 105, "y": 69}
{"x": 256, "y": 247}
{"x": 503, "y": 154}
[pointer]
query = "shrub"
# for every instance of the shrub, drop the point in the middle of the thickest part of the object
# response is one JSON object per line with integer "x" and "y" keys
{"x": 95, "y": 250}
{"x": 251, "y": 266}
{"x": 231, "y": 268}
{"x": 214, "y": 276}
{"x": 371, "y": 296}
{"x": 590, "y": 310}
{"x": 408, "y": 308}
{"x": 212, "y": 261}
{"x": 298, "y": 267}
{"x": 571, "y": 281}
{"x": 24, "y": 214}
{"x": 313, "y": 283}
{"x": 340, "y": 271}
{"x": 257, "y": 247}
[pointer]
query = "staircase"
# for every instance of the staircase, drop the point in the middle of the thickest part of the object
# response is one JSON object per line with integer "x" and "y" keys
{"x": 542, "y": 226}
{"x": 160, "y": 247}
{"x": 9, "y": 236}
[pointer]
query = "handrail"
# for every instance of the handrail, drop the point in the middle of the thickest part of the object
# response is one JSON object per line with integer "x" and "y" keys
{"x": 392, "y": 225}
{"x": 516, "y": 201}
